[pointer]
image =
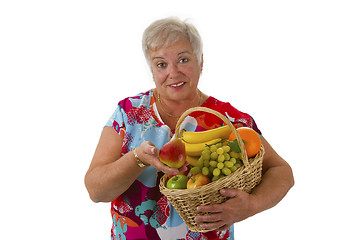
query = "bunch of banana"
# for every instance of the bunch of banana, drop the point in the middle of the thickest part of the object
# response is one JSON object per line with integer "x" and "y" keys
{"x": 205, "y": 136}
{"x": 195, "y": 142}
{"x": 195, "y": 149}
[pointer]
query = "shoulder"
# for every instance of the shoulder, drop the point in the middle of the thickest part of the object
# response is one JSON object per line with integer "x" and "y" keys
{"x": 218, "y": 105}
{"x": 237, "y": 117}
{"x": 142, "y": 99}
{"x": 227, "y": 109}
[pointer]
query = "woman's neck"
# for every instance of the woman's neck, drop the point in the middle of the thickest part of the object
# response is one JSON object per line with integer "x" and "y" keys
{"x": 175, "y": 108}
{"x": 170, "y": 111}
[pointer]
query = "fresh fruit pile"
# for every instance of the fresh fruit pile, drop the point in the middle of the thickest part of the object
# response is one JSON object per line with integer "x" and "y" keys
{"x": 217, "y": 160}
{"x": 212, "y": 154}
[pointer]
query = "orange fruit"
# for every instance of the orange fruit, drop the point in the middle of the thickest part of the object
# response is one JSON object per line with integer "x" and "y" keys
{"x": 251, "y": 138}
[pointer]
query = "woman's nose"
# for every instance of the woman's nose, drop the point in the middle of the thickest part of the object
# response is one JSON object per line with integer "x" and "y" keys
{"x": 173, "y": 70}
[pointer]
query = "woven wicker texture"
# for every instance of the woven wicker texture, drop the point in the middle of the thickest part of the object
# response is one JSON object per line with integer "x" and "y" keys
{"x": 185, "y": 201}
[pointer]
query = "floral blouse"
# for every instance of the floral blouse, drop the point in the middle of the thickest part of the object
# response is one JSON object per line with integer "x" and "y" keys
{"x": 142, "y": 212}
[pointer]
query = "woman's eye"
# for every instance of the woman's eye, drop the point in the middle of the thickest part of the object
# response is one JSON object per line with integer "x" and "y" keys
{"x": 161, "y": 65}
{"x": 184, "y": 60}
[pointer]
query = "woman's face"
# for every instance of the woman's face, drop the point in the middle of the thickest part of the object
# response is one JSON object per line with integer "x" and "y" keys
{"x": 176, "y": 70}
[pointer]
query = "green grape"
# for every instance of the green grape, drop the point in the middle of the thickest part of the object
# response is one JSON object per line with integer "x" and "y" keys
{"x": 214, "y": 156}
{"x": 213, "y": 163}
{"x": 211, "y": 169}
{"x": 228, "y": 164}
{"x": 226, "y": 171}
{"x": 201, "y": 161}
{"x": 206, "y": 150}
{"x": 218, "y": 145}
{"x": 215, "y": 178}
{"x": 213, "y": 148}
{"x": 195, "y": 170}
{"x": 237, "y": 165}
{"x": 232, "y": 154}
{"x": 233, "y": 168}
{"x": 206, "y": 163}
{"x": 206, "y": 155}
{"x": 226, "y": 148}
{"x": 220, "y": 165}
{"x": 220, "y": 150}
{"x": 221, "y": 158}
{"x": 235, "y": 155}
{"x": 227, "y": 156}
{"x": 233, "y": 160}
{"x": 240, "y": 162}
{"x": 216, "y": 172}
{"x": 205, "y": 171}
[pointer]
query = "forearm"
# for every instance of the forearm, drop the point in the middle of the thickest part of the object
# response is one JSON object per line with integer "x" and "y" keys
{"x": 275, "y": 183}
{"x": 106, "y": 182}
{"x": 111, "y": 174}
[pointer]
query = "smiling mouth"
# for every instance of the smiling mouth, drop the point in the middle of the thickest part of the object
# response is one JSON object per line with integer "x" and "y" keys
{"x": 178, "y": 84}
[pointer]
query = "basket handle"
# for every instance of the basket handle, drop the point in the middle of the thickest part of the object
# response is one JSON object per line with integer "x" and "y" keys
{"x": 224, "y": 119}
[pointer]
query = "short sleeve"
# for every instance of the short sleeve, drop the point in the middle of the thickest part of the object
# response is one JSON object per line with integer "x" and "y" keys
{"x": 241, "y": 119}
{"x": 236, "y": 117}
{"x": 116, "y": 121}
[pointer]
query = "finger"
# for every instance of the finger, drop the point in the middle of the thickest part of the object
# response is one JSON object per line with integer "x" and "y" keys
{"x": 228, "y": 192}
{"x": 215, "y": 208}
{"x": 155, "y": 151}
{"x": 184, "y": 167}
{"x": 165, "y": 169}
{"x": 208, "y": 218}
{"x": 150, "y": 149}
{"x": 213, "y": 225}
{"x": 225, "y": 227}
{"x": 171, "y": 171}
{"x": 146, "y": 149}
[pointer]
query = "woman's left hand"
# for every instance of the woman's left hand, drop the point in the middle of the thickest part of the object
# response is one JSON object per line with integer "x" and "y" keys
{"x": 240, "y": 206}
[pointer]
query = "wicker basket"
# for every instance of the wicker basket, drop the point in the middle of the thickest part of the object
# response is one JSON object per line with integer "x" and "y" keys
{"x": 185, "y": 201}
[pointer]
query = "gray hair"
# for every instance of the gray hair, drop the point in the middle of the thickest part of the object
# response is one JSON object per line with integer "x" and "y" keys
{"x": 164, "y": 32}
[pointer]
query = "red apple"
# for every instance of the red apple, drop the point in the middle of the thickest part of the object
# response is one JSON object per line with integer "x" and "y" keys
{"x": 197, "y": 180}
{"x": 173, "y": 153}
{"x": 185, "y": 173}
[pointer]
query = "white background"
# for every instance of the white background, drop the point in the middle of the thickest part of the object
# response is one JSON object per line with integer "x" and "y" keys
{"x": 64, "y": 65}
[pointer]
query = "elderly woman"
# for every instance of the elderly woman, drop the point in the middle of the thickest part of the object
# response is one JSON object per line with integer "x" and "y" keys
{"x": 125, "y": 169}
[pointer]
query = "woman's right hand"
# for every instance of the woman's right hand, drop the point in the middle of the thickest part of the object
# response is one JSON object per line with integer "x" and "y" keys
{"x": 149, "y": 154}
{"x": 110, "y": 174}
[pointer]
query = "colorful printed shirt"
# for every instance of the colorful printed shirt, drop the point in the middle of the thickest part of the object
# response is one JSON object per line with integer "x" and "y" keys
{"x": 142, "y": 212}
